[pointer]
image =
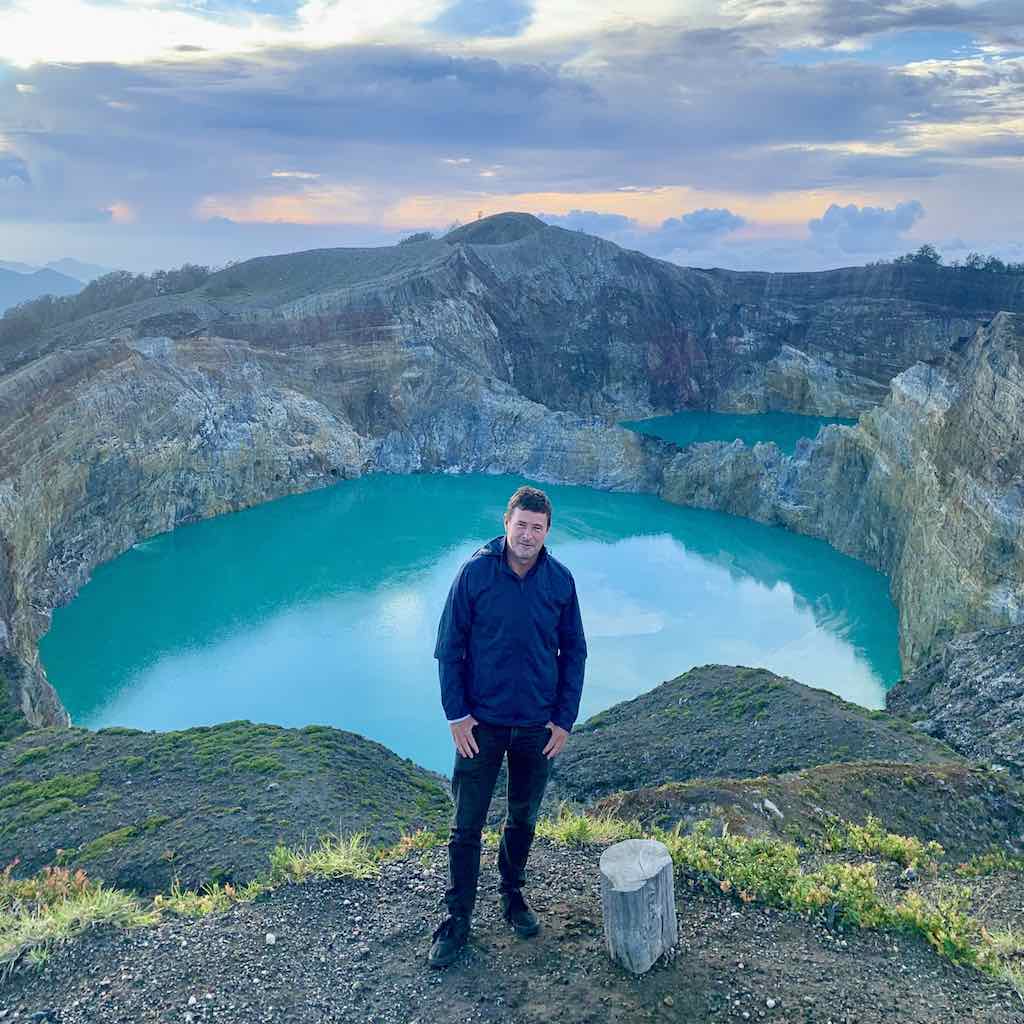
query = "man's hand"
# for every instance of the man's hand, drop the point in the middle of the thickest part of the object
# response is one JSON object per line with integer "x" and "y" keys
{"x": 557, "y": 741}
{"x": 462, "y": 734}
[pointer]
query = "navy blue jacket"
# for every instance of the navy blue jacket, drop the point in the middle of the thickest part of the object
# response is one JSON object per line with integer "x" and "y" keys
{"x": 511, "y": 651}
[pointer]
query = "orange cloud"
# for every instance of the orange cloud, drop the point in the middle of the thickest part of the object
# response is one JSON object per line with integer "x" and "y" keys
{"x": 122, "y": 213}
{"x": 649, "y": 207}
{"x": 330, "y": 205}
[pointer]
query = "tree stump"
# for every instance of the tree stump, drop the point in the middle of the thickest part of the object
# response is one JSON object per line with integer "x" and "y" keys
{"x": 638, "y": 902}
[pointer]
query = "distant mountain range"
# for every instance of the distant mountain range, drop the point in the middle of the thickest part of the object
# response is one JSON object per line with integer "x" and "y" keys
{"x": 20, "y": 282}
{"x": 18, "y": 287}
{"x": 84, "y": 272}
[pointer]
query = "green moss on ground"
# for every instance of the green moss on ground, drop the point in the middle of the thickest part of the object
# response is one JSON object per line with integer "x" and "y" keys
{"x": 23, "y": 792}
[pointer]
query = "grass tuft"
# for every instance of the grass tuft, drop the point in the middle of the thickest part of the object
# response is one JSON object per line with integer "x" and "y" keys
{"x": 415, "y": 842}
{"x": 334, "y": 856}
{"x": 53, "y": 906}
{"x": 208, "y": 900}
{"x": 573, "y": 829}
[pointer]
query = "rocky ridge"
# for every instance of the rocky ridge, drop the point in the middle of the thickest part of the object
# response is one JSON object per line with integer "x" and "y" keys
{"x": 729, "y": 721}
{"x": 180, "y": 411}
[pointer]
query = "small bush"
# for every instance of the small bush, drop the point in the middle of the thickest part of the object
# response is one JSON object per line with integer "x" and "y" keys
{"x": 946, "y": 926}
{"x": 990, "y": 863}
{"x": 67, "y": 786}
{"x": 32, "y": 754}
{"x": 872, "y": 838}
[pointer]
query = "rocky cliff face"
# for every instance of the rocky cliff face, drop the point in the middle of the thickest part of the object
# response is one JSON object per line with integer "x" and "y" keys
{"x": 108, "y": 443}
{"x": 578, "y": 324}
{"x": 927, "y": 487}
{"x": 971, "y": 695}
{"x": 289, "y": 373}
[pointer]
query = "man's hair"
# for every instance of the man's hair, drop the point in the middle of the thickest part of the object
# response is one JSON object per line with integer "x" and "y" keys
{"x": 529, "y": 499}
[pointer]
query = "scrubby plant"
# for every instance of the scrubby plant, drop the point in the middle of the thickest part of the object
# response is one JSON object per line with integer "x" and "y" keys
{"x": 990, "y": 863}
{"x": 768, "y": 870}
{"x": 840, "y": 836}
{"x": 21, "y": 792}
{"x": 948, "y": 928}
{"x": 847, "y": 893}
{"x": 750, "y": 868}
{"x": 31, "y": 754}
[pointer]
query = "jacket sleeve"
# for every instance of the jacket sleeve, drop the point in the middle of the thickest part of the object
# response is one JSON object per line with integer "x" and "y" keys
{"x": 451, "y": 648}
{"x": 572, "y": 657}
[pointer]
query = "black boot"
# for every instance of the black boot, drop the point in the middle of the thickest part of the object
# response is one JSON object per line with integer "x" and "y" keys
{"x": 448, "y": 938}
{"x": 518, "y": 914}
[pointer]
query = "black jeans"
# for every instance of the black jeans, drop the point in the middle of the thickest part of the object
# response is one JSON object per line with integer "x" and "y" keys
{"x": 473, "y": 782}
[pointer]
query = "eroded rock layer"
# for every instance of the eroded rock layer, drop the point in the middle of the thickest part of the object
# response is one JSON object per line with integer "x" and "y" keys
{"x": 971, "y": 695}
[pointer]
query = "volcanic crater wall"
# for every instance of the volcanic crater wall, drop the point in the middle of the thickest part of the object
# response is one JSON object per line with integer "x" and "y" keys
{"x": 519, "y": 357}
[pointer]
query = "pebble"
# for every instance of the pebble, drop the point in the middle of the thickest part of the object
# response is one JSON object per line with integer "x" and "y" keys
{"x": 770, "y": 1003}
{"x": 271, "y": 938}
{"x": 669, "y": 1001}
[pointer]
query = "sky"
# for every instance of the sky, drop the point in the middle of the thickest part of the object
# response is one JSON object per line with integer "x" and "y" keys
{"x": 752, "y": 134}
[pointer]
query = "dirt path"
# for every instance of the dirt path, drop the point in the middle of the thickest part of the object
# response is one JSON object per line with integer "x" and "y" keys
{"x": 354, "y": 951}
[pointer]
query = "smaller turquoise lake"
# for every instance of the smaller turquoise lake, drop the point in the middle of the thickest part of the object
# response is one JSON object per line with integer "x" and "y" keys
{"x": 323, "y": 607}
{"x": 783, "y": 428}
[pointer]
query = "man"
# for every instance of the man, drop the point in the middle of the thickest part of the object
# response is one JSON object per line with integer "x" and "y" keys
{"x": 511, "y": 654}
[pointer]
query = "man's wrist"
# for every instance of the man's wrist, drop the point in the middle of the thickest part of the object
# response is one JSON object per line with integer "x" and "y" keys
{"x": 453, "y": 721}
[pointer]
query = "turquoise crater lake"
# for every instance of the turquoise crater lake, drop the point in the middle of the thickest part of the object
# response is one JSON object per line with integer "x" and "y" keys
{"x": 784, "y": 428}
{"x": 323, "y": 607}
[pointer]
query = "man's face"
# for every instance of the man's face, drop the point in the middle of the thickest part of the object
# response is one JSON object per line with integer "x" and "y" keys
{"x": 525, "y": 532}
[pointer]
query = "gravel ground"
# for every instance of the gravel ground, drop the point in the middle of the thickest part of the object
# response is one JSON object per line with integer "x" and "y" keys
{"x": 346, "y": 950}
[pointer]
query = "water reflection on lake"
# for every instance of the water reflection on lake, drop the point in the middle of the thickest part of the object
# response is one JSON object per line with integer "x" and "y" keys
{"x": 323, "y": 608}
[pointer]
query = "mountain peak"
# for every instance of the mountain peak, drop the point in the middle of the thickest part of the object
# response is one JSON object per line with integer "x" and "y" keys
{"x": 499, "y": 229}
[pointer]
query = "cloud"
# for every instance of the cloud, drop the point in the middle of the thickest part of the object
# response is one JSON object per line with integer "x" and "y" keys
{"x": 605, "y": 225}
{"x": 573, "y": 102}
{"x": 697, "y": 229}
{"x": 845, "y": 23}
{"x": 488, "y": 18}
{"x": 867, "y": 229}
{"x": 711, "y": 237}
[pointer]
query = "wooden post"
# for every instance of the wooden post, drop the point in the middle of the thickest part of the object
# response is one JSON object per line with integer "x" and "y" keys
{"x": 638, "y": 902}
